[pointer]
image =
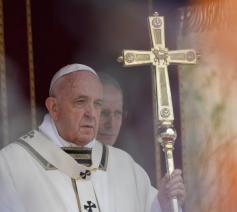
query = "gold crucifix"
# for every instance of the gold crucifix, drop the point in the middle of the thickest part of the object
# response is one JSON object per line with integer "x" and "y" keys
{"x": 160, "y": 57}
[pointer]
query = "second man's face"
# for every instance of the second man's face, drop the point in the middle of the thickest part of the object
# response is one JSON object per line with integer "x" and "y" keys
{"x": 111, "y": 115}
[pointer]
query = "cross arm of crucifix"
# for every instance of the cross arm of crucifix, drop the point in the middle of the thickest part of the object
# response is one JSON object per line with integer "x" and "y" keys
{"x": 159, "y": 57}
{"x": 158, "y": 53}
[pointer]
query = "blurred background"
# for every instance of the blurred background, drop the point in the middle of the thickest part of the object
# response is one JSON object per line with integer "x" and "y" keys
{"x": 42, "y": 36}
{"x": 39, "y": 37}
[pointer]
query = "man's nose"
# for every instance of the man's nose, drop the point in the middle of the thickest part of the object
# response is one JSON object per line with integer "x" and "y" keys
{"x": 110, "y": 121}
{"x": 90, "y": 110}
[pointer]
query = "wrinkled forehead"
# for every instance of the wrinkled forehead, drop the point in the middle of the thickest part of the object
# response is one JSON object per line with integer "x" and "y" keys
{"x": 78, "y": 84}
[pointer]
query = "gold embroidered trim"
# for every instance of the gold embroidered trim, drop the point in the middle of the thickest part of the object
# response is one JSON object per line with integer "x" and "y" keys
{"x": 74, "y": 185}
{"x": 48, "y": 166}
{"x": 44, "y": 163}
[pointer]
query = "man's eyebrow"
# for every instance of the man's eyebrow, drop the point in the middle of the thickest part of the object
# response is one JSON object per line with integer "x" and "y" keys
{"x": 81, "y": 96}
{"x": 99, "y": 100}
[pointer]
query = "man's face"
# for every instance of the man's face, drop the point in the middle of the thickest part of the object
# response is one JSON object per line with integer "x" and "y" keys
{"x": 77, "y": 107}
{"x": 111, "y": 115}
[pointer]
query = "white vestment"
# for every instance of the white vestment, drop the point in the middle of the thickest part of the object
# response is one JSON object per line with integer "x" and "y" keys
{"x": 26, "y": 185}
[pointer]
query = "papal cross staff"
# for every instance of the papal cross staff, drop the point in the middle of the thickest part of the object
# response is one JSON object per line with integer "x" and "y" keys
{"x": 160, "y": 57}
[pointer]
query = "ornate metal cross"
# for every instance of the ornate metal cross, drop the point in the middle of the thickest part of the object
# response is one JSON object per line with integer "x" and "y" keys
{"x": 160, "y": 57}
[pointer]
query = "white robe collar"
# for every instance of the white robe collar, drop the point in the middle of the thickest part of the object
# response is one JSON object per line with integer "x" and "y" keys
{"x": 57, "y": 157}
{"x": 44, "y": 144}
{"x": 48, "y": 128}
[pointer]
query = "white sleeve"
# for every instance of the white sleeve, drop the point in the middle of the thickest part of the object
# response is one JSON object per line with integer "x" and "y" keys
{"x": 9, "y": 201}
{"x": 155, "y": 207}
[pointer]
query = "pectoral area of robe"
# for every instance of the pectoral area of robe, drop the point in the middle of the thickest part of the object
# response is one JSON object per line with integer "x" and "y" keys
{"x": 37, "y": 174}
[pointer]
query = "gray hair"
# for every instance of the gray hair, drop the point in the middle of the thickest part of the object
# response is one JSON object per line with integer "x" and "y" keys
{"x": 107, "y": 79}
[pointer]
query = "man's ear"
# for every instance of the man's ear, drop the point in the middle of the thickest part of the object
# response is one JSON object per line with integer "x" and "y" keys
{"x": 51, "y": 105}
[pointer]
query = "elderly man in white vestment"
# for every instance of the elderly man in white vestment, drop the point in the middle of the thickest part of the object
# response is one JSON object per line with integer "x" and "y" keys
{"x": 62, "y": 168}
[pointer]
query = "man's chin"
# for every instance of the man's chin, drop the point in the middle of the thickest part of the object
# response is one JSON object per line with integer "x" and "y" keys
{"x": 106, "y": 139}
{"x": 109, "y": 142}
{"x": 82, "y": 141}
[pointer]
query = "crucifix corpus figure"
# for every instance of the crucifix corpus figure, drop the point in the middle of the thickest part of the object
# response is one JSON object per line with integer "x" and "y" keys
{"x": 160, "y": 57}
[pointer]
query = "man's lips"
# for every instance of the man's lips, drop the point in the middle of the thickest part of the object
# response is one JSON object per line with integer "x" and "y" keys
{"x": 88, "y": 126}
